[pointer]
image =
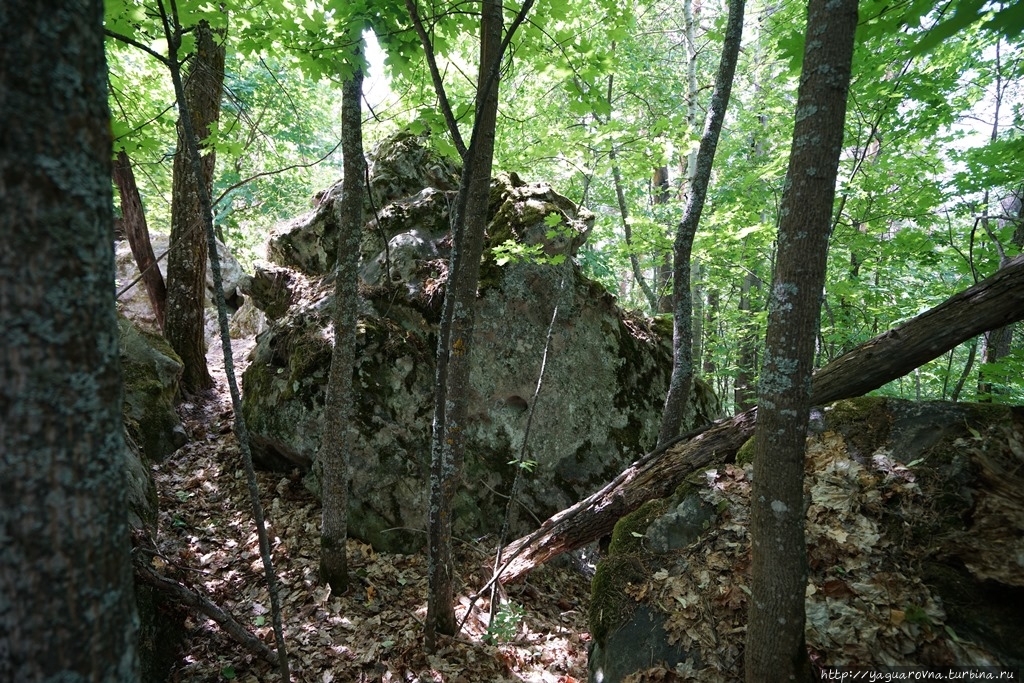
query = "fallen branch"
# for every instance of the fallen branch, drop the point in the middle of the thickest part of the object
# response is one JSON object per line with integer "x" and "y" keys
{"x": 992, "y": 303}
{"x": 188, "y": 597}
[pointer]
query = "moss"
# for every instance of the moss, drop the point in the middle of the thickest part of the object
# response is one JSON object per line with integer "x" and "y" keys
{"x": 610, "y": 605}
{"x": 745, "y": 455}
{"x": 627, "y": 536}
{"x": 863, "y": 422}
{"x": 663, "y": 325}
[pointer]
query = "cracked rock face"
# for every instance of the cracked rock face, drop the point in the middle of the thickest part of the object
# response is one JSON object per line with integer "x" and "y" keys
{"x": 606, "y": 372}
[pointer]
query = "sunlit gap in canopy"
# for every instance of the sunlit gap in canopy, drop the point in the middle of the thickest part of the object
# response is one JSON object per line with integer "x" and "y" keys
{"x": 377, "y": 86}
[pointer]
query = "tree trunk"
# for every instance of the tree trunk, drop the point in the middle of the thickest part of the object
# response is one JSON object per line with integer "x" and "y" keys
{"x": 137, "y": 232}
{"x": 663, "y": 259}
{"x": 190, "y": 152}
{"x": 186, "y": 264}
{"x": 336, "y": 440}
{"x": 456, "y": 332}
{"x": 681, "y": 382}
{"x": 775, "y": 646}
{"x": 67, "y": 610}
{"x": 993, "y": 302}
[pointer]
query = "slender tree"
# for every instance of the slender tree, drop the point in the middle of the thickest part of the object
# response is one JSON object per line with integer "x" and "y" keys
{"x": 336, "y": 440}
{"x": 681, "y": 382}
{"x": 190, "y": 151}
{"x": 67, "y": 610}
{"x": 775, "y": 646}
{"x": 469, "y": 219}
{"x": 458, "y": 317}
{"x": 186, "y": 264}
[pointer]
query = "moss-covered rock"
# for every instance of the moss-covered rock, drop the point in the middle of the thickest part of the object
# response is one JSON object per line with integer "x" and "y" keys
{"x": 151, "y": 372}
{"x": 915, "y": 538}
{"x": 599, "y": 405}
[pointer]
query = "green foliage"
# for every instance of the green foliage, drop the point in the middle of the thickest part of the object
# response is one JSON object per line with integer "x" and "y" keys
{"x": 504, "y": 624}
{"x": 596, "y": 85}
{"x": 525, "y": 465}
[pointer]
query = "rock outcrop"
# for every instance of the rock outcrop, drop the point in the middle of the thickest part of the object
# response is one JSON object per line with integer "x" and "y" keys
{"x": 605, "y": 375}
{"x": 915, "y": 534}
{"x": 151, "y": 372}
{"x": 134, "y": 303}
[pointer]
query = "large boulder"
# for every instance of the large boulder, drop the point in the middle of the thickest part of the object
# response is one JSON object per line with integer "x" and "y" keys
{"x": 605, "y": 375}
{"x": 915, "y": 541}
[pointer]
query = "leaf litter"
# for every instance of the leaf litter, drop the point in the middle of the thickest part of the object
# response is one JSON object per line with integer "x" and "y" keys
{"x": 865, "y": 603}
{"x": 207, "y": 540}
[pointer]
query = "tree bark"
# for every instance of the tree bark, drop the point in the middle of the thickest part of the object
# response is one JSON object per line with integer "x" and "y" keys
{"x": 186, "y": 264}
{"x": 67, "y": 610}
{"x": 993, "y": 302}
{"x": 744, "y": 393}
{"x": 456, "y": 332}
{"x": 681, "y": 382}
{"x": 336, "y": 441}
{"x": 137, "y": 233}
{"x": 191, "y": 154}
{"x": 775, "y": 646}
{"x": 627, "y": 230}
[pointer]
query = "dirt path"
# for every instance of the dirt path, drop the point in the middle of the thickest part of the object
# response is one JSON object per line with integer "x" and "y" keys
{"x": 371, "y": 634}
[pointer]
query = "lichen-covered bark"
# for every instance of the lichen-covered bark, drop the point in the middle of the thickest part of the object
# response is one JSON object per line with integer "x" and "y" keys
{"x": 186, "y": 263}
{"x": 452, "y": 391}
{"x": 66, "y": 600}
{"x": 338, "y": 435}
{"x": 775, "y": 646}
{"x": 681, "y": 383}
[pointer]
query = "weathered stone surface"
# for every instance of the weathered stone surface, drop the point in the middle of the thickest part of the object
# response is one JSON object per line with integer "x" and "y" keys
{"x": 151, "y": 372}
{"x": 915, "y": 531}
{"x": 602, "y": 392}
{"x": 134, "y": 304}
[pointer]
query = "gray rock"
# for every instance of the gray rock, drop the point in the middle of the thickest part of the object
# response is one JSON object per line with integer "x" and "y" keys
{"x": 915, "y": 532}
{"x": 134, "y": 304}
{"x": 151, "y": 372}
{"x": 602, "y": 393}
{"x": 640, "y": 643}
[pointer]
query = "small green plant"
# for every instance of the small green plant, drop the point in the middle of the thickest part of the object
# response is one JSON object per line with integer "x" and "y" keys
{"x": 526, "y": 465}
{"x": 504, "y": 624}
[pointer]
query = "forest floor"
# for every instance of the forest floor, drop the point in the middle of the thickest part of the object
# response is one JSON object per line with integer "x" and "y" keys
{"x": 374, "y": 632}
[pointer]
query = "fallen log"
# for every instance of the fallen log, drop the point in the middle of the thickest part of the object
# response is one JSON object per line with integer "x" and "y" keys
{"x": 992, "y": 303}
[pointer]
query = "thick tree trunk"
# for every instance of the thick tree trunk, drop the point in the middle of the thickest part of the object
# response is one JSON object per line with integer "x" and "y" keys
{"x": 775, "y": 646}
{"x": 67, "y": 610}
{"x": 993, "y": 302}
{"x": 137, "y": 233}
{"x": 186, "y": 264}
{"x": 681, "y": 382}
{"x": 336, "y": 441}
